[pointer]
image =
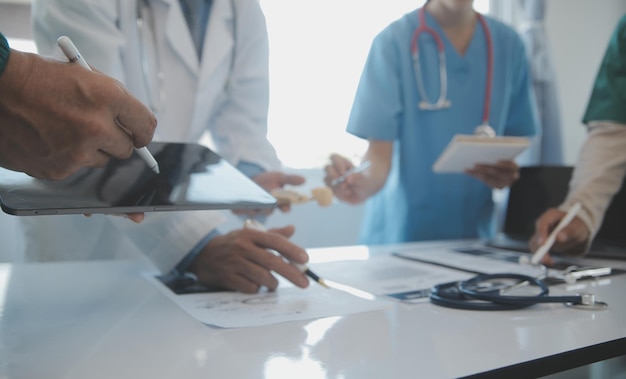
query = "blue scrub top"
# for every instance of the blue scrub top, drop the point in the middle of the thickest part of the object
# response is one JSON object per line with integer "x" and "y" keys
{"x": 415, "y": 203}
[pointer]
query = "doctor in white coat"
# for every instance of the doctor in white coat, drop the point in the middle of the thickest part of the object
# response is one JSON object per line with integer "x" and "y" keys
{"x": 218, "y": 88}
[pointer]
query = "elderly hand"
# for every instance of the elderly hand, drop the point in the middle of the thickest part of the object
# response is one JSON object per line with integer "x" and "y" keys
{"x": 57, "y": 117}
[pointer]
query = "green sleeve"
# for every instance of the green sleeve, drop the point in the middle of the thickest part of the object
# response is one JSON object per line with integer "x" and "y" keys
{"x": 608, "y": 98}
{"x": 4, "y": 52}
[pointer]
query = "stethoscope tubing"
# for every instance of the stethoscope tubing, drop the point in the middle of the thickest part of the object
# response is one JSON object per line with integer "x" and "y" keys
{"x": 462, "y": 295}
{"x": 542, "y": 297}
{"x": 442, "y": 101}
{"x": 448, "y": 295}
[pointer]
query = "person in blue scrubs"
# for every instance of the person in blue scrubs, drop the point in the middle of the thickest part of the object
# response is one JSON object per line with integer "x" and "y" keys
{"x": 601, "y": 166}
{"x": 406, "y": 200}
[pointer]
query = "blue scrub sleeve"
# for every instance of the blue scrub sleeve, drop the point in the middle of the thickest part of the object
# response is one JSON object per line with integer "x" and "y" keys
{"x": 377, "y": 107}
{"x": 608, "y": 97}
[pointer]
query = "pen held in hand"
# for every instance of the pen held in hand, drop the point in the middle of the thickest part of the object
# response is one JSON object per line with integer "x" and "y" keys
{"x": 73, "y": 55}
{"x": 354, "y": 170}
{"x": 254, "y": 224}
{"x": 545, "y": 247}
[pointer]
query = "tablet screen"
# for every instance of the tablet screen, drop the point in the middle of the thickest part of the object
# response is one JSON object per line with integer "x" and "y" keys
{"x": 192, "y": 177}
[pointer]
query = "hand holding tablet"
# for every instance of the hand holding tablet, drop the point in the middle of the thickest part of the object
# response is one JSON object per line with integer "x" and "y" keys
{"x": 192, "y": 177}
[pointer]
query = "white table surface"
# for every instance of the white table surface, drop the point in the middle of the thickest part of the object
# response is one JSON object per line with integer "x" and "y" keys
{"x": 104, "y": 320}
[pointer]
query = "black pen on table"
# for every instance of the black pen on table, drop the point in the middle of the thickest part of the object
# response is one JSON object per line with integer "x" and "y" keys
{"x": 254, "y": 224}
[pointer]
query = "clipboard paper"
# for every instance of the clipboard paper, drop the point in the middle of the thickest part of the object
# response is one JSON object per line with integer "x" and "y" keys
{"x": 464, "y": 151}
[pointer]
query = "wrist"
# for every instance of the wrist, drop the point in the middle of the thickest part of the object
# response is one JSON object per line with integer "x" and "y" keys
{"x": 186, "y": 262}
{"x": 5, "y": 51}
{"x": 15, "y": 74}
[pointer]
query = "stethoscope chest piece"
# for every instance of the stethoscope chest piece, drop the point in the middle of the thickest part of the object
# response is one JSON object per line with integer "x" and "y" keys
{"x": 484, "y": 130}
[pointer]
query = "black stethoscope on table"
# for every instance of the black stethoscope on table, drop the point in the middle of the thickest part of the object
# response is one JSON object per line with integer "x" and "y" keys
{"x": 490, "y": 292}
{"x": 484, "y": 128}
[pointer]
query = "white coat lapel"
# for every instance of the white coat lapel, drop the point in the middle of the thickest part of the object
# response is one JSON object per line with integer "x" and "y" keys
{"x": 219, "y": 38}
{"x": 178, "y": 37}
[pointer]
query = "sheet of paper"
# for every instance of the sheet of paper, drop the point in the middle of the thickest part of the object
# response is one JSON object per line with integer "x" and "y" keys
{"x": 390, "y": 276}
{"x": 287, "y": 303}
{"x": 464, "y": 151}
{"x": 473, "y": 257}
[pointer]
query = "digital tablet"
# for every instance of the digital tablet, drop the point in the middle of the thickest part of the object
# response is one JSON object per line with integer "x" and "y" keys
{"x": 192, "y": 177}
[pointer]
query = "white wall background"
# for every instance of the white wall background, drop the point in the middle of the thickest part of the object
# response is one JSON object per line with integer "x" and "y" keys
{"x": 579, "y": 32}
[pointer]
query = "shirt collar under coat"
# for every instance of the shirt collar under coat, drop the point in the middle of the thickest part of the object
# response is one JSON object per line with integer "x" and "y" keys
{"x": 218, "y": 42}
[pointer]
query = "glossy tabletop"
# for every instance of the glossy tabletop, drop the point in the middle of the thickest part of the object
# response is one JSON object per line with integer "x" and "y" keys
{"x": 104, "y": 320}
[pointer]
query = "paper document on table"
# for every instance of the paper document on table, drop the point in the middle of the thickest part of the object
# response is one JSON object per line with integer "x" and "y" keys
{"x": 287, "y": 303}
{"x": 464, "y": 151}
{"x": 390, "y": 276}
{"x": 473, "y": 258}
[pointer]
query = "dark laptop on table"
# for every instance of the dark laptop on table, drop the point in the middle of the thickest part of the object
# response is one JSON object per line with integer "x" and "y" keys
{"x": 543, "y": 187}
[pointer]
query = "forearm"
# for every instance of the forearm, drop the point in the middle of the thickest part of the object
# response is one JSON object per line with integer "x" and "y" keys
{"x": 379, "y": 153}
{"x": 599, "y": 173}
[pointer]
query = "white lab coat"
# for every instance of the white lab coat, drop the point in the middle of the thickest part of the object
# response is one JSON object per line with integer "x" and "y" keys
{"x": 225, "y": 95}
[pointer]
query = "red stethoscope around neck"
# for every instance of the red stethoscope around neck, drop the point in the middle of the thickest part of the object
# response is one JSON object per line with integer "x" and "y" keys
{"x": 443, "y": 102}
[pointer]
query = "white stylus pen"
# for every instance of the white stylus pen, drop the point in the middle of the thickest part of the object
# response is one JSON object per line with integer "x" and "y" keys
{"x": 73, "y": 55}
{"x": 354, "y": 170}
{"x": 543, "y": 249}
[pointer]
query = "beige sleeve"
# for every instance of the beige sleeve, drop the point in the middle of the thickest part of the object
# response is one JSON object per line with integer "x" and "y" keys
{"x": 599, "y": 173}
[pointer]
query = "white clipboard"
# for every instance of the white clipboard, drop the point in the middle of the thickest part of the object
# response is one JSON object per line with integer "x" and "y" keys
{"x": 464, "y": 151}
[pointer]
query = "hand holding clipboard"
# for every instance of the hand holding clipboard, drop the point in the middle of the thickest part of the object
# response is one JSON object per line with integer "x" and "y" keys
{"x": 465, "y": 151}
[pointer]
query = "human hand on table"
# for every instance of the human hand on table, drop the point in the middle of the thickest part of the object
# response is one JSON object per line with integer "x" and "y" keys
{"x": 573, "y": 239}
{"x": 243, "y": 260}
